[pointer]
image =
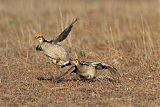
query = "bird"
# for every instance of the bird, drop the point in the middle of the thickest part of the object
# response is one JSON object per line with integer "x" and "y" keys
{"x": 54, "y": 51}
{"x": 87, "y": 70}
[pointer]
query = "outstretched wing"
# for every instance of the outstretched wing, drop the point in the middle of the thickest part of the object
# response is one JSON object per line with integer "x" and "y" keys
{"x": 72, "y": 69}
{"x": 64, "y": 34}
{"x": 100, "y": 66}
{"x": 97, "y": 65}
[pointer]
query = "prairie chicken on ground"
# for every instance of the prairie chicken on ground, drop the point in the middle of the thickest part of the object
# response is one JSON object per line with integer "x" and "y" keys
{"x": 87, "y": 70}
{"x": 57, "y": 54}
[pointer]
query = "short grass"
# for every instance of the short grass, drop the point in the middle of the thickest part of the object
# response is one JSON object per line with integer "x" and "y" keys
{"x": 123, "y": 33}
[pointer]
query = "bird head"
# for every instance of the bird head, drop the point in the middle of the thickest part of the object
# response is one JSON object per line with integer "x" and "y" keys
{"x": 39, "y": 37}
{"x": 74, "y": 60}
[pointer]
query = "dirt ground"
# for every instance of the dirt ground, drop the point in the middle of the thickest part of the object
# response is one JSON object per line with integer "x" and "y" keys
{"x": 123, "y": 33}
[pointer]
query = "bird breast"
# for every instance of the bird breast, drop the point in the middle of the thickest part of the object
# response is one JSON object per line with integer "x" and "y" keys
{"x": 86, "y": 71}
{"x": 54, "y": 51}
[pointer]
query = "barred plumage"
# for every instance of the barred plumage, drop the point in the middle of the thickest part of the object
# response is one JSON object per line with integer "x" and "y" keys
{"x": 56, "y": 53}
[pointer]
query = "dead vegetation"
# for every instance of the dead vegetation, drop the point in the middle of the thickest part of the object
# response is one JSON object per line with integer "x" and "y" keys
{"x": 124, "y": 33}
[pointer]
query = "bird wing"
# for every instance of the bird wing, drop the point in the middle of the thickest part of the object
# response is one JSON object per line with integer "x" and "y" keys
{"x": 100, "y": 66}
{"x": 72, "y": 69}
{"x": 64, "y": 34}
{"x": 97, "y": 65}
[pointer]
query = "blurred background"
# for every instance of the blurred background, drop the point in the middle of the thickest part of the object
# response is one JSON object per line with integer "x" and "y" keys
{"x": 124, "y": 33}
{"x": 112, "y": 22}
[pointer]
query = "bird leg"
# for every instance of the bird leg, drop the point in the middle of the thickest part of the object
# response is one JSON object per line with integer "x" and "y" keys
{"x": 66, "y": 73}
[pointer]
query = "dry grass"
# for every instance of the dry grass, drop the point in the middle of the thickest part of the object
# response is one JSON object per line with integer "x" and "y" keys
{"x": 124, "y": 33}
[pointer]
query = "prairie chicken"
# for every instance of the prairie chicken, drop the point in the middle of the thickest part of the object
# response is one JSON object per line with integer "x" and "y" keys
{"x": 87, "y": 70}
{"x": 55, "y": 52}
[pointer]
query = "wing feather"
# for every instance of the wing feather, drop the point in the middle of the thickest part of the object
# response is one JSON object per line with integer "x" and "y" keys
{"x": 64, "y": 34}
{"x": 100, "y": 66}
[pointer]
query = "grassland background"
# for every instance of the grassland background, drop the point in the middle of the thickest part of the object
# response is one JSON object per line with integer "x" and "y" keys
{"x": 124, "y": 33}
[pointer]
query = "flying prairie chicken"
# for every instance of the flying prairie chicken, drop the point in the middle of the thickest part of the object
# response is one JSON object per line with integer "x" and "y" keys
{"x": 55, "y": 52}
{"x": 87, "y": 70}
